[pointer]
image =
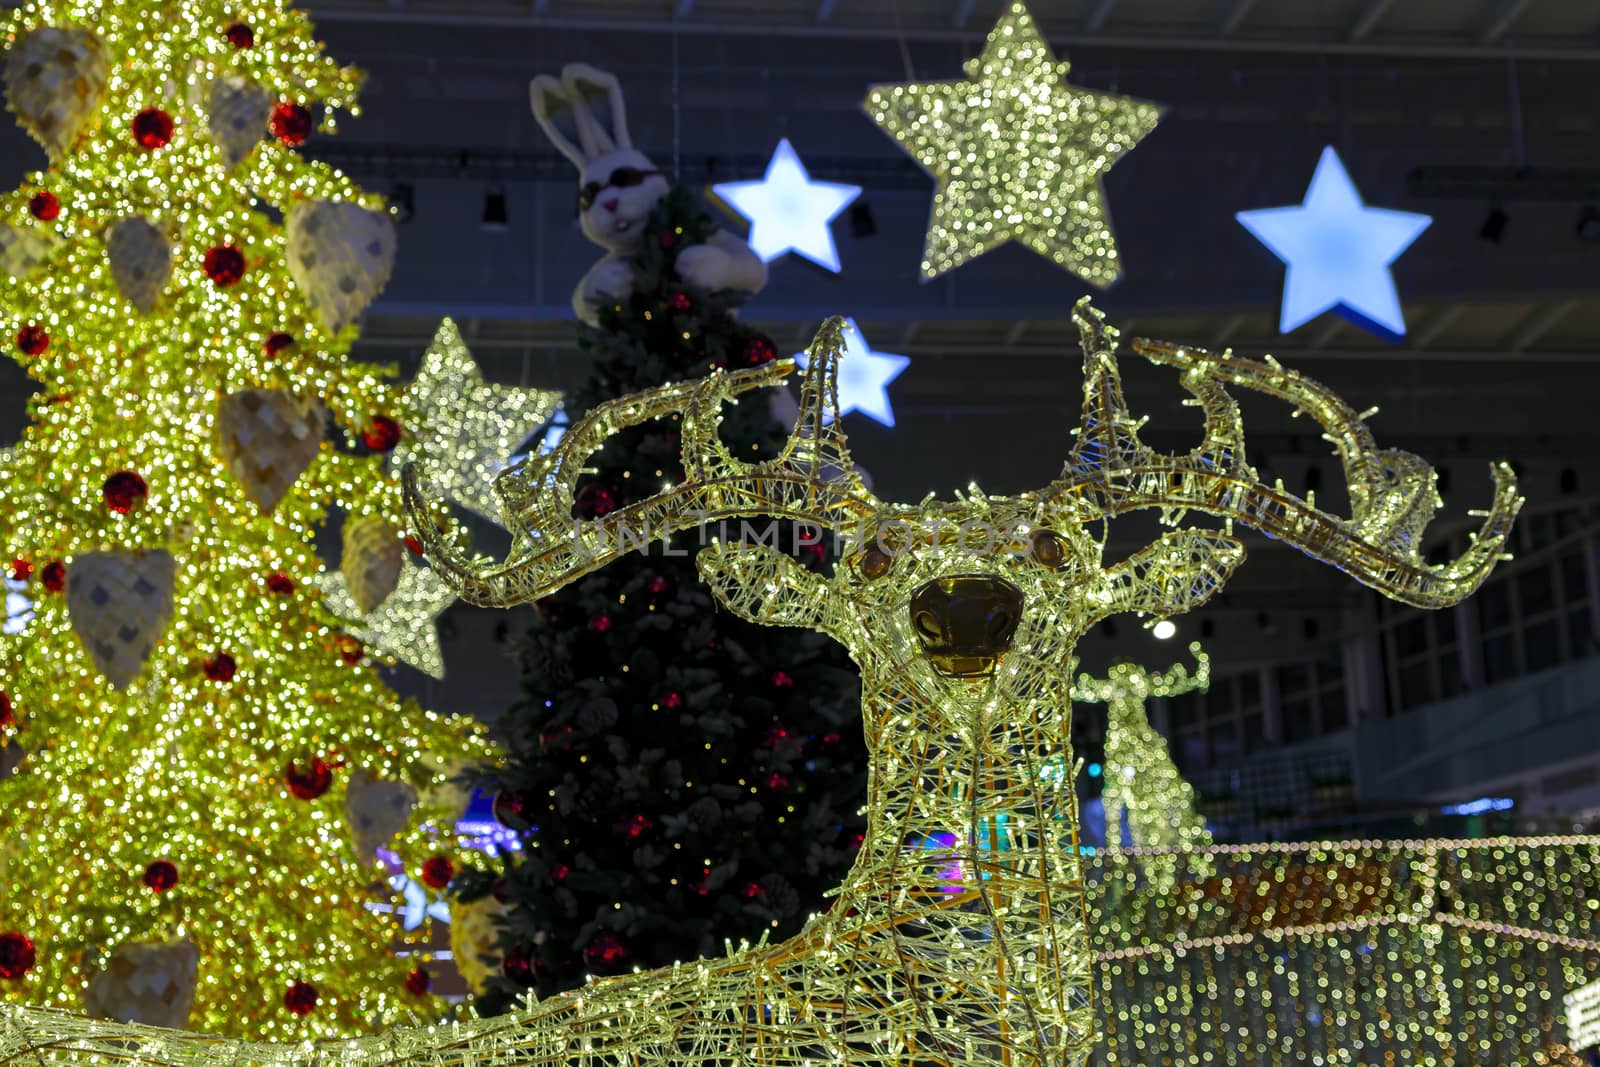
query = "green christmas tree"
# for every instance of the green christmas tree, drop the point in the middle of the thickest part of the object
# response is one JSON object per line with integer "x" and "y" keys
{"x": 683, "y": 777}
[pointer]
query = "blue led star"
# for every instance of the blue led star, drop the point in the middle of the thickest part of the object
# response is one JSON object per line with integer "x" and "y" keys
{"x": 789, "y": 212}
{"x": 1338, "y": 252}
{"x": 864, "y": 376}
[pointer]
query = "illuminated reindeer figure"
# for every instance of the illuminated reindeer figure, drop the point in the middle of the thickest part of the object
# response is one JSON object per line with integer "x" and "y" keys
{"x": 962, "y": 617}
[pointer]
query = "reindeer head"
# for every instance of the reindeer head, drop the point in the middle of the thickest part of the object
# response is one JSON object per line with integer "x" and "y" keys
{"x": 980, "y": 595}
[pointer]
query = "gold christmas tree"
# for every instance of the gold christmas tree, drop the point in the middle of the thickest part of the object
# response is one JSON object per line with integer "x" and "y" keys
{"x": 205, "y": 740}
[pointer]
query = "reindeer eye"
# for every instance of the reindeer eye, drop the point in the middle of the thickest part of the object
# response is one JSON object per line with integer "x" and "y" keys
{"x": 1048, "y": 549}
{"x": 874, "y": 563}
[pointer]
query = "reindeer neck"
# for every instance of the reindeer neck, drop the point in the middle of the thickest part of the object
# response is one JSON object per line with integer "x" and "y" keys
{"x": 972, "y": 783}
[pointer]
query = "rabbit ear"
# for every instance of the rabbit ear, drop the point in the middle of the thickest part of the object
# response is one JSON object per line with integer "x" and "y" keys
{"x": 550, "y": 98}
{"x": 592, "y": 84}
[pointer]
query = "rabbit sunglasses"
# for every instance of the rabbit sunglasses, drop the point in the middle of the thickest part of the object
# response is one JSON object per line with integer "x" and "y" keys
{"x": 621, "y": 178}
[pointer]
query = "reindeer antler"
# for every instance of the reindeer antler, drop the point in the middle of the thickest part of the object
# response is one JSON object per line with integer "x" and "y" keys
{"x": 812, "y": 479}
{"x": 1392, "y": 493}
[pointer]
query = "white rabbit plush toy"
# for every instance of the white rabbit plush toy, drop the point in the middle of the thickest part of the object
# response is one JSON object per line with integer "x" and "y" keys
{"x": 618, "y": 189}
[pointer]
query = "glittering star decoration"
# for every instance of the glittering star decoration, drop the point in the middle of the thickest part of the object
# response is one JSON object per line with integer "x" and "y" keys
{"x": 788, "y": 212}
{"x": 470, "y": 426}
{"x": 405, "y": 625}
{"x": 864, "y": 376}
{"x": 1338, "y": 252}
{"x": 1018, "y": 153}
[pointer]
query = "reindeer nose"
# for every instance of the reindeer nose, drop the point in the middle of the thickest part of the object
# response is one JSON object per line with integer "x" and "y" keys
{"x": 965, "y": 622}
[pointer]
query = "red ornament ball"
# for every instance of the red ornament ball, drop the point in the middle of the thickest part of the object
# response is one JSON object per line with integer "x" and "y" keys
{"x": 517, "y": 965}
{"x": 274, "y": 345}
{"x": 308, "y": 784}
{"x": 600, "y": 624}
{"x": 221, "y": 667}
{"x": 595, "y": 501}
{"x": 657, "y": 584}
{"x": 672, "y": 700}
{"x": 8, "y": 717}
{"x": 777, "y": 782}
{"x": 680, "y": 302}
{"x": 280, "y": 583}
{"x": 759, "y": 349}
{"x": 240, "y": 35}
{"x": 152, "y": 129}
{"x": 224, "y": 265}
{"x": 604, "y": 950}
{"x": 54, "y": 576}
{"x": 418, "y": 982}
{"x": 21, "y": 570}
{"x": 635, "y": 825}
{"x": 124, "y": 491}
{"x": 17, "y": 955}
{"x": 512, "y": 807}
{"x": 666, "y": 238}
{"x": 300, "y": 998}
{"x": 351, "y": 649}
{"x": 161, "y": 875}
{"x": 559, "y": 872}
{"x": 290, "y": 123}
{"x": 437, "y": 872}
{"x": 413, "y": 545}
{"x": 382, "y": 435}
{"x": 752, "y": 890}
{"x": 32, "y": 340}
{"x": 44, "y": 206}
{"x": 782, "y": 680}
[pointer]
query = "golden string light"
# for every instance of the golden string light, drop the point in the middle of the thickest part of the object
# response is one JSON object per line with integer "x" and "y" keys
{"x": 203, "y": 800}
{"x": 1350, "y": 952}
{"x": 1018, "y": 153}
{"x": 949, "y": 941}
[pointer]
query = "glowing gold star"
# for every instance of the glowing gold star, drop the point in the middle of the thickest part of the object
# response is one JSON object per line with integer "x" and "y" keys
{"x": 406, "y": 624}
{"x": 469, "y": 427}
{"x": 1018, "y": 153}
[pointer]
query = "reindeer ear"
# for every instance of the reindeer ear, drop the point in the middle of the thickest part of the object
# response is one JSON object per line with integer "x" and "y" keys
{"x": 764, "y": 586}
{"x": 550, "y": 105}
{"x": 1178, "y": 572}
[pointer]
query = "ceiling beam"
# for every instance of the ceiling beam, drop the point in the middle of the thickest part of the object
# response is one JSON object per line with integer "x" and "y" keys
{"x": 1014, "y": 334}
{"x": 1367, "y": 20}
{"x": 1540, "y": 322}
{"x": 1505, "y": 13}
{"x": 1324, "y": 337}
{"x": 909, "y": 334}
{"x": 964, "y": 10}
{"x": 1235, "y": 15}
{"x": 1426, "y": 47}
{"x": 1099, "y": 14}
{"x": 683, "y": 9}
{"x": 825, "y": 9}
{"x": 1434, "y": 328}
{"x": 1230, "y": 326}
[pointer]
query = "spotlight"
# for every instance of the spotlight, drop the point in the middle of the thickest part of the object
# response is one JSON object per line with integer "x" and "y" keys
{"x": 1494, "y": 225}
{"x": 1589, "y": 223}
{"x": 862, "y": 224}
{"x": 495, "y": 219}
{"x": 1164, "y": 629}
{"x": 403, "y": 202}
